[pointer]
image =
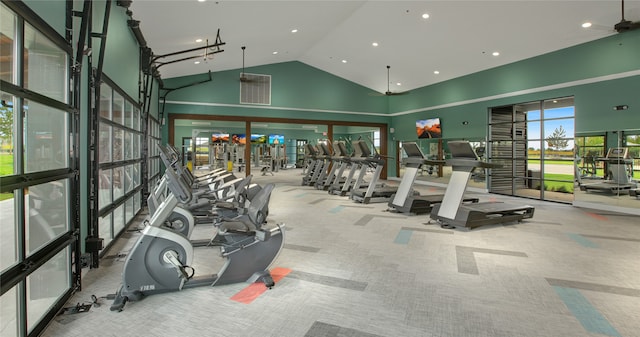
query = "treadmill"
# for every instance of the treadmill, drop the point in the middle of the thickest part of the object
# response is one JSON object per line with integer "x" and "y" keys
{"x": 313, "y": 166}
{"x": 339, "y": 162}
{"x": 355, "y": 161}
{"x": 616, "y": 162}
{"x": 406, "y": 200}
{"x": 374, "y": 192}
{"x": 452, "y": 213}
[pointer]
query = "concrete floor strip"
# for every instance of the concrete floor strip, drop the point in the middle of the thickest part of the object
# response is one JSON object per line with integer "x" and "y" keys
{"x": 603, "y": 288}
{"x": 467, "y": 261}
{"x": 302, "y": 248}
{"x": 610, "y": 238}
{"x": 320, "y": 329}
{"x": 329, "y": 280}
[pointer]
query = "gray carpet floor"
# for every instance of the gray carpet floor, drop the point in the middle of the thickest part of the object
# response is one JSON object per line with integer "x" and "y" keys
{"x": 360, "y": 271}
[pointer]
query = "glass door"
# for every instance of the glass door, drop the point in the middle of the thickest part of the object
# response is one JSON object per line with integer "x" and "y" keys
{"x": 534, "y": 143}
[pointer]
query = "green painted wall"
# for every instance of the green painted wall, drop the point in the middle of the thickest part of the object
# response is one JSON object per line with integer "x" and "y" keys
{"x": 298, "y": 91}
{"x": 568, "y": 72}
{"x": 611, "y": 55}
{"x": 462, "y": 103}
{"x": 121, "y": 59}
{"x": 53, "y": 12}
{"x": 293, "y": 85}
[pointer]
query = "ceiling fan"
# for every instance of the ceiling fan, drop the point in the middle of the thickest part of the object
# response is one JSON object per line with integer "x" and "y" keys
{"x": 389, "y": 92}
{"x": 248, "y": 78}
{"x": 625, "y": 25}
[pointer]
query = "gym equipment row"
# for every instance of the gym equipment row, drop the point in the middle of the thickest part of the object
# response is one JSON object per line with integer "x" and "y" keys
{"x": 451, "y": 209}
{"x": 161, "y": 259}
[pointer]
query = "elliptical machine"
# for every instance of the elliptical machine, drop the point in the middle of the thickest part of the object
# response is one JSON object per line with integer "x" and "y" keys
{"x": 160, "y": 260}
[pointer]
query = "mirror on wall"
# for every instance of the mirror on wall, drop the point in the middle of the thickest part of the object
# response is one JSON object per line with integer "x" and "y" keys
{"x": 440, "y": 174}
{"x": 277, "y": 146}
{"x": 607, "y": 168}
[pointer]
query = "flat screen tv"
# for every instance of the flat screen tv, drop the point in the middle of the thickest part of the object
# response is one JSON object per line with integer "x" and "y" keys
{"x": 276, "y": 139}
{"x": 220, "y": 138}
{"x": 239, "y": 138}
{"x": 429, "y": 128}
{"x": 258, "y": 139}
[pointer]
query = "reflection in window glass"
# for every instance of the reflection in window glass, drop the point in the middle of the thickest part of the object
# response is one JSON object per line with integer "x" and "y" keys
{"x": 118, "y": 108}
{"x": 104, "y": 225}
{"x": 136, "y": 175}
{"x": 136, "y": 146}
{"x": 46, "y": 285}
{"x": 104, "y": 151}
{"x": 46, "y": 138}
{"x": 632, "y": 142}
{"x": 7, "y": 34}
{"x": 128, "y": 114}
{"x": 136, "y": 202}
{"x": 46, "y": 207}
{"x": 104, "y": 188}
{"x": 7, "y": 164}
{"x": 118, "y": 219}
{"x": 118, "y": 140}
{"x": 118, "y": 182}
{"x": 136, "y": 119}
{"x": 127, "y": 146}
{"x": 9, "y": 310}
{"x": 105, "y": 101}
{"x": 46, "y": 65}
{"x": 128, "y": 179}
{"x": 129, "y": 210}
{"x": 8, "y": 253}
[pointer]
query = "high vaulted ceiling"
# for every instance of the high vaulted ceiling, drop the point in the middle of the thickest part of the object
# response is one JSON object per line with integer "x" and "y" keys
{"x": 458, "y": 37}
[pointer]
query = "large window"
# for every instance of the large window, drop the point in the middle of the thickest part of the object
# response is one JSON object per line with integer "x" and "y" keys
{"x": 120, "y": 158}
{"x": 38, "y": 186}
{"x": 153, "y": 163}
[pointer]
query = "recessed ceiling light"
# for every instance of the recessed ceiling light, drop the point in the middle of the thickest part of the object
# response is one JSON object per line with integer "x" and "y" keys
{"x": 375, "y": 44}
{"x": 344, "y": 61}
{"x": 436, "y": 72}
{"x": 586, "y": 25}
{"x": 495, "y": 53}
{"x": 198, "y": 40}
{"x": 202, "y": 0}
{"x": 275, "y": 52}
{"x": 425, "y": 16}
{"x": 398, "y": 84}
{"x": 294, "y": 30}
{"x": 197, "y": 62}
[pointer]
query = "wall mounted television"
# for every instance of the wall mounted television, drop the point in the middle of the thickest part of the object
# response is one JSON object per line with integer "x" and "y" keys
{"x": 258, "y": 139}
{"x": 276, "y": 139}
{"x": 220, "y": 138}
{"x": 239, "y": 138}
{"x": 429, "y": 128}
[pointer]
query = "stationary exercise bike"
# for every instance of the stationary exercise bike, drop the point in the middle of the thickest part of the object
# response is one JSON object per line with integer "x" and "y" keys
{"x": 161, "y": 260}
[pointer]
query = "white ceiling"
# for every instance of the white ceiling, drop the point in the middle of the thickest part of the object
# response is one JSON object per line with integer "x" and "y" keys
{"x": 458, "y": 38}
